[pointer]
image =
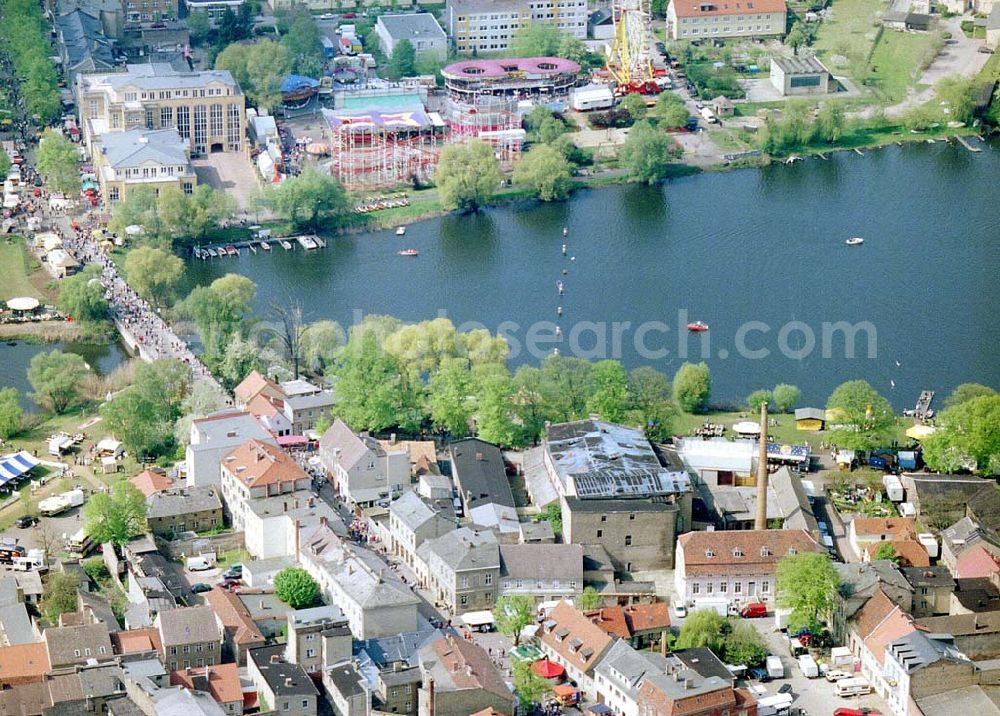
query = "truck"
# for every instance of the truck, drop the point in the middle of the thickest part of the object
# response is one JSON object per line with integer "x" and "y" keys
{"x": 781, "y": 618}
{"x": 775, "y": 669}
{"x": 51, "y": 506}
{"x": 808, "y": 666}
{"x": 34, "y": 560}
{"x": 708, "y": 115}
{"x": 777, "y": 705}
{"x": 720, "y": 605}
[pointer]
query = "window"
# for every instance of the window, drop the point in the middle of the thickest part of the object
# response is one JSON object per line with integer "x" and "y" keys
{"x": 737, "y": 552}
{"x": 709, "y": 588}
{"x": 465, "y": 581}
{"x": 113, "y": 194}
{"x": 76, "y": 652}
{"x": 488, "y": 579}
{"x": 723, "y": 587}
{"x": 765, "y": 552}
{"x": 600, "y": 533}
{"x": 463, "y": 600}
{"x": 631, "y": 516}
{"x": 628, "y": 540}
{"x": 310, "y": 652}
{"x": 284, "y": 706}
{"x": 738, "y": 587}
{"x": 604, "y": 518}
{"x": 792, "y": 551}
{"x": 765, "y": 587}
{"x": 695, "y": 588}
{"x": 710, "y": 552}
{"x": 305, "y": 703}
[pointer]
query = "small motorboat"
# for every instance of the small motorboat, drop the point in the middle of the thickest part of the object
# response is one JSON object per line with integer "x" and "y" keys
{"x": 697, "y": 326}
{"x": 285, "y": 245}
{"x": 265, "y": 246}
{"x": 400, "y": 231}
{"x": 409, "y": 252}
{"x": 232, "y": 250}
{"x": 855, "y": 241}
{"x": 211, "y": 252}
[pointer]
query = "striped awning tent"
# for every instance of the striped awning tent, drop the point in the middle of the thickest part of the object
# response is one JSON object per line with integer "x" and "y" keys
{"x": 15, "y": 465}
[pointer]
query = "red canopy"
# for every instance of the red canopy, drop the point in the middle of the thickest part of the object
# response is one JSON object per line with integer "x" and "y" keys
{"x": 548, "y": 669}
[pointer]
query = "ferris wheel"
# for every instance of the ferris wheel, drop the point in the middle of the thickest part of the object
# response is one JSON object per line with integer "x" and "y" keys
{"x": 630, "y": 62}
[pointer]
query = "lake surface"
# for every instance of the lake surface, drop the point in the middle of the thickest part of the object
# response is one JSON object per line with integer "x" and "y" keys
{"x": 14, "y": 362}
{"x": 727, "y": 248}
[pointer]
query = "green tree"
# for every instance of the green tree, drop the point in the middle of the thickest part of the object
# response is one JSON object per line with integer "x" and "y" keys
{"x": 647, "y": 152}
{"x": 512, "y": 613}
{"x": 373, "y": 392}
{"x": 58, "y": 159}
{"x": 967, "y": 437}
{"x": 115, "y": 516}
{"x": 309, "y": 200}
{"x": 205, "y": 397}
{"x": 528, "y": 402}
{"x": 59, "y": 595}
{"x": 153, "y": 273}
{"x": 140, "y": 207}
{"x": 303, "y": 45}
{"x": 259, "y": 68}
{"x": 658, "y": 8}
{"x": 864, "y": 419}
{"x": 403, "y": 62}
{"x": 296, "y": 587}
{"x": 830, "y": 122}
{"x": 198, "y": 27}
{"x": 242, "y": 356}
{"x": 958, "y": 95}
{"x": 966, "y": 392}
{"x": 550, "y": 130}
{"x": 553, "y": 515}
{"x": 692, "y": 386}
{"x": 208, "y": 209}
{"x": 57, "y": 379}
{"x": 785, "y": 397}
{"x": 4, "y": 163}
{"x": 529, "y": 686}
{"x": 590, "y": 599}
{"x": 546, "y": 171}
{"x": 670, "y": 111}
{"x": 651, "y": 398}
{"x": 704, "y": 628}
{"x": 11, "y": 415}
{"x": 796, "y": 37}
{"x": 142, "y": 415}
{"x": 758, "y": 398}
{"x": 886, "y": 551}
{"x": 450, "y": 393}
{"x": 566, "y": 384}
{"x": 610, "y": 395}
{"x": 428, "y": 63}
{"x": 467, "y": 176}
{"x": 635, "y": 105}
{"x": 82, "y": 296}
{"x": 806, "y": 584}
{"x": 536, "y": 39}
{"x": 494, "y": 393}
{"x": 744, "y": 645}
{"x": 219, "y": 310}
{"x": 320, "y": 344}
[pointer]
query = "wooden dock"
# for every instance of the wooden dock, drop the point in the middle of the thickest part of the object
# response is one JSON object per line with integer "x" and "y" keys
{"x": 254, "y": 245}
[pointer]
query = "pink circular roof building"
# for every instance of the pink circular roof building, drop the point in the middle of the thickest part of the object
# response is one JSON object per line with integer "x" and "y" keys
{"x": 522, "y": 77}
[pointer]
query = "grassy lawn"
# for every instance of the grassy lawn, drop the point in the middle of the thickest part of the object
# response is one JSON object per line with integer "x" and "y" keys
{"x": 850, "y": 32}
{"x": 897, "y": 62}
{"x": 784, "y": 432}
{"x": 20, "y": 273}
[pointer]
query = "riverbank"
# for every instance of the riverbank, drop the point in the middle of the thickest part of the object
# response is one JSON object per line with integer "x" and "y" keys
{"x": 44, "y": 332}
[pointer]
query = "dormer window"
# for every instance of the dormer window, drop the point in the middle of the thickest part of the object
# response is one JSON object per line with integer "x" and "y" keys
{"x": 737, "y": 552}
{"x": 792, "y": 551}
{"x": 709, "y": 552}
{"x": 765, "y": 552}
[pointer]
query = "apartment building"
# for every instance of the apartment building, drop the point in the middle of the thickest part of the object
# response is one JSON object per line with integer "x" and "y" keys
{"x": 695, "y": 19}
{"x": 207, "y": 108}
{"x": 489, "y": 26}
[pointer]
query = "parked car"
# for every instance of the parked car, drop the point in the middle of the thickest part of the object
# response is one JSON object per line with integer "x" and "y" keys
{"x": 759, "y": 674}
{"x": 863, "y": 711}
{"x": 754, "y": 610}
{"x": 785, "y": 688}
{"x": 327, "y": 16}
{"x": 680, "y": 608}
{"x": 201, "y": 587}
{"x": 836, "y": 675}
{"x": 234, "y": 572}
{"x": 25, "y": 521}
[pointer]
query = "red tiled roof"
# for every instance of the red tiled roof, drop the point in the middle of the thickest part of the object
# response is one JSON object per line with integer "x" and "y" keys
{"x": 976, "y": 562}
{"x": 253, "y": 385}
{"x": 901, "y": 527}
{"x": 707, "y": 8}
{"x": 574, "y": 637}
{"x": 255, "y": 464}
{"x": 223, "y": 681}
{"x": 741, "y": 551}
{"x": 611, "y": 620}
{"x": 263, "y": 406}
{"x": 872, "y": 613}
{"x": 149, "y": 482}
{"x": 136, "y": 641}
{"x": 643, "y": 617}
{"x": 235, "y": 617}
{"x": 910, "y": 552}
{"x": 896, "y": 625}
{"x": 23, "y": 663}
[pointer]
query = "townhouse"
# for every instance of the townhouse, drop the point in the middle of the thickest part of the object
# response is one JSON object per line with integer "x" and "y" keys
{"x": 362, "y": 471}
{"x": 573, "y": 641}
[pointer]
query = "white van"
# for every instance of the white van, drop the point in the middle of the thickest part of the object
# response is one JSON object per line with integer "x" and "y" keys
{"x": 200, "y": 563}
{"x": 680, "y": 608}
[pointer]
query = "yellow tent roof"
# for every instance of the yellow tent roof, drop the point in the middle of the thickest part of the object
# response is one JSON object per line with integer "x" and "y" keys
{"x": 919, "y": 432}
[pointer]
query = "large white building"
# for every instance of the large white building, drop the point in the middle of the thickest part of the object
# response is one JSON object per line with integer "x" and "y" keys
{"x": 363, "y": 471}
{"x": 490, "y": 25}
{"x": 697, "y": 19}
{"x": 213, "y": 437}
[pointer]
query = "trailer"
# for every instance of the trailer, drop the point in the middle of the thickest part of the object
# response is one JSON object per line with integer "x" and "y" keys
{"x": 781, "y": 615}
{"x": 893, "y": 488}
{"x": 808, "y": 666}
{"x": 719, "y": 605}
{"x": 775, "y": 669}
{"x": 777, "y": 705}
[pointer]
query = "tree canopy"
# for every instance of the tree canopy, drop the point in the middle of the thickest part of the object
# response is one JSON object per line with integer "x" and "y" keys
{"x": 219, "y": 311}
{"x": 57, "y": 379}
{"x": 512, "y": 613}
{"x": 670, "y": 111}
{"x": 758, "y": 398}
{"x": 115, "y": 516}
{"x": 142, "y": 415}
{"x": 403, "y": 62}
{"x": 862, "y": 418}
{"x": 11, "y": 414}
{"x": 296, "y": 587}
{"x": 967, "y": 438}
{"x": 704, "y": 628}
{"x": 785, "y": 397}
{"x": 82, "y": 296}
{"x": 647, "y": 153}
{"x": 153, "y": 273}
{"x": 259, "y": 67}
{"x": 966, "y": 392}
{"x": 807, "y": 584}
{"x": 58, "y": 160}
{"x": 467, "y": 176}
{"x": 692, "y": 386}
{"x": 309, "y": 200}
{"x": 59, "y": 595}
{"x": 546, "y": 170}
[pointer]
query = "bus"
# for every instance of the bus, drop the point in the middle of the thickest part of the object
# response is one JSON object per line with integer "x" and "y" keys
{"x": 853, "y": 687}
{"x": 80, "y": 545}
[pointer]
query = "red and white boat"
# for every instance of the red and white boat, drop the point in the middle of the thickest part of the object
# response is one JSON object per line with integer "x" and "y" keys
{"x": 697, "y": 326}
{"x": 409, "y": 252}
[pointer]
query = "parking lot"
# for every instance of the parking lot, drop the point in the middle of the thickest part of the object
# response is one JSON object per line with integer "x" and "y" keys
{"x": 230, "y": 172}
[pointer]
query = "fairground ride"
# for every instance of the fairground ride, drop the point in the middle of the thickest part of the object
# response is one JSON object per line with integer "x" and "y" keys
{"x": 630, "y": 62}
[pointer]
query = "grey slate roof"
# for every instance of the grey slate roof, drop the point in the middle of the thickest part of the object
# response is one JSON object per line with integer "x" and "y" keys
{"x": 479, "y": 472}
{"x": 413, "y": 511}
{"x": 370, "y": 583}
{"x": 84, "y": 39}
{"x": 346, "y": 680}
{"x": 624, "y": 667}
{"x": 388, "y": 650}
{"x": 137, "y": 146}
{"x": 182, "y": 702}
{"x": 542, "y": 561}
{"x": 810, "y": 414}
{"x": 76, "y": 644}
{"x": 917, "y": 650}
{"x": 412, "y": 27}
{"x": 8, "y": 591}
{"x": 282, "y": 677}
{"x": 938, "y": 576}
{"x": 16, "y": 626}
{"x": 465, "y": 549}
{"x": 348, "y": 447}
{"x": 158, "y": 75}
{"x": 188, "y": 625}
{"x": 171, "y": 503}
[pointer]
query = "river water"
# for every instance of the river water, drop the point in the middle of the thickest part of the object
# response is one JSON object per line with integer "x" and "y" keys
{"x": 758, "y": 254}
{"x": 14, "y": 361}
